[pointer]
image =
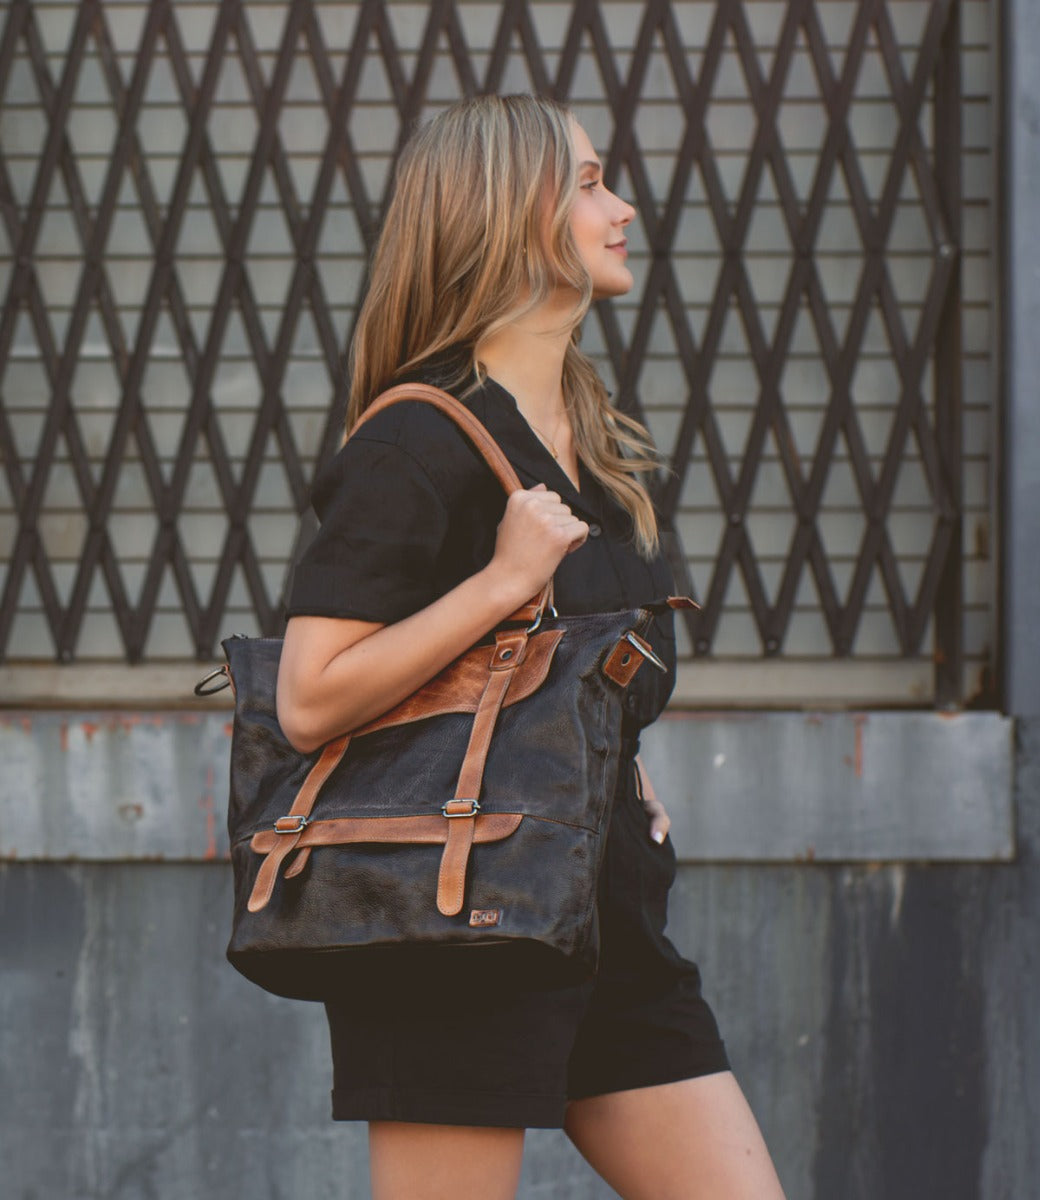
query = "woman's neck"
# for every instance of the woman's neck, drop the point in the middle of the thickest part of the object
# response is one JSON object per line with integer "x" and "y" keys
{"x": 526, "y": 358}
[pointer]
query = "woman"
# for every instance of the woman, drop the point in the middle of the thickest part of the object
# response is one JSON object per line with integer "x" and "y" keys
{"x": 500, "y": 234}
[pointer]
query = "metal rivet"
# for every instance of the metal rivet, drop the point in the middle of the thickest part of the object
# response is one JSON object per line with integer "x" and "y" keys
{"x": 507, "y": 653}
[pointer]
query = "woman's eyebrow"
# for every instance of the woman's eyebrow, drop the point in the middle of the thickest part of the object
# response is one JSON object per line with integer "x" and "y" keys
{"x": 591, "y": 163}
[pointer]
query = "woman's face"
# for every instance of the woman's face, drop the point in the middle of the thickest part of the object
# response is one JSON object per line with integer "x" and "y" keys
{"x": 598, "y": 221}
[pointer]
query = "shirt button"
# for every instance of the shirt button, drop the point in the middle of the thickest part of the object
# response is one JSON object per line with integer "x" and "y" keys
{"x": 595, "y": 530}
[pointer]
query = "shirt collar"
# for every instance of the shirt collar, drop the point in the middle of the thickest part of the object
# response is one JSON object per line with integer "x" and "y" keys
{"x": 497, "y": 410}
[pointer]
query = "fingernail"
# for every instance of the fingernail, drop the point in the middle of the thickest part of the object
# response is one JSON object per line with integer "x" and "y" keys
{"x": 658, "y": 836}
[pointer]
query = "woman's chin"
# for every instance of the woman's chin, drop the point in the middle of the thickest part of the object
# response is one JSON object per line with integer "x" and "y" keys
{"x": 604, "y": 289}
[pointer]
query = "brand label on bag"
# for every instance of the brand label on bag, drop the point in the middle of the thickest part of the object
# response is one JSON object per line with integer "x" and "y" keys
{"x": 483, "y": 917}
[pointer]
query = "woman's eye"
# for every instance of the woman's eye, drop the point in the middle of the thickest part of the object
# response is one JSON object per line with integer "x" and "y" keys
{"x": 592, "y": 183}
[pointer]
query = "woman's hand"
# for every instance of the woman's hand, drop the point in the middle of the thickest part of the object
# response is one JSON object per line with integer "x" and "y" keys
{"x": 336, "y": 674}
{"x": 660, "y": 821}
{"x": 536, "y": 533}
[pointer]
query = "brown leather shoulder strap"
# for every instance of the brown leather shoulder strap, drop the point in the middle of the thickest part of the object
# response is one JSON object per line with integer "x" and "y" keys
{"x": 484, "y": 443}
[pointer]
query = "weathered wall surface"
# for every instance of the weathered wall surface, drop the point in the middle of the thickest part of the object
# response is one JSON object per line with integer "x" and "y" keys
{"x": 881, "y": 1018}
{"x": 742, "y": 786}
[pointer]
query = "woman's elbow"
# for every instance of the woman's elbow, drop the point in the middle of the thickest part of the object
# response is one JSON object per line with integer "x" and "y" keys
{"x": 302, "y": 740}
{"x": 297, "y": 722}
{"x": 312, "y": 681}
{"x": 295, "y": 731}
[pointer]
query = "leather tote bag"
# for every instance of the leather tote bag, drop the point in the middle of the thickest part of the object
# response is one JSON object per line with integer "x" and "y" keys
{"x": 457, "y": 838}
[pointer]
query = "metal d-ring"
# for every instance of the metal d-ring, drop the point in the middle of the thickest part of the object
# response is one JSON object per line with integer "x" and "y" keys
{"x": 201, "y": 689}
{"x": 645, "y": 651}
{"x": 541, "y": 613}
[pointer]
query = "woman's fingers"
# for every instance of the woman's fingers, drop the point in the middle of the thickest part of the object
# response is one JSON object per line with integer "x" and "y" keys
{"x": 536, "y": 532}
{"x": 660, "y": 821}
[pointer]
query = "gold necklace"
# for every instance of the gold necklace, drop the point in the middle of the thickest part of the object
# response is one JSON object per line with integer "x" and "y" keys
{"x": 548, "y": 442}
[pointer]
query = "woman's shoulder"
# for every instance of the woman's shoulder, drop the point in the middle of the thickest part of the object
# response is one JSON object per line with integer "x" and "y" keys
{"x": 417, "y": 427}
{"x": 415, "y": 442}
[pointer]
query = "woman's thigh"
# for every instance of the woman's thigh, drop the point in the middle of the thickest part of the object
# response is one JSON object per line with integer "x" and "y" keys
{"x": 443, "y": 1162}
{"x": 692, "y": 1140}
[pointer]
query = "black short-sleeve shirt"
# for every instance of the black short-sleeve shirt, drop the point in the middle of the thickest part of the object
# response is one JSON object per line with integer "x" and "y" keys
{"x": 409, "y": 509}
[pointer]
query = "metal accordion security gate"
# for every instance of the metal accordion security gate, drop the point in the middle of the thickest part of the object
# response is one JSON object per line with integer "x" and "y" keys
{"x": 188, "y": 193}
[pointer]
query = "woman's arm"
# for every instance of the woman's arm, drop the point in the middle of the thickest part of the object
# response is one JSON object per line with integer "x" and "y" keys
{"x": 337, "y": 674}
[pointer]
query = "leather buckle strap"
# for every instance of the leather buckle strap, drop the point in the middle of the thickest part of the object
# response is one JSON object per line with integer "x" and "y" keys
{"x": 645, "y": 649}
{"x": 263, "y": 885}
{"x": 628, "y": 655}
{"x": 451, "y": 880}
{"x": 483, "y": 443}
{"x": 460, "y": 808}
{"x": 296, "y": 823}
{"x": 531, "y": 613}
{"x": 429, "y": 830}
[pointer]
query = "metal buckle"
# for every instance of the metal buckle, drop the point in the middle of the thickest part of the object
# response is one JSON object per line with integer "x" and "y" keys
{"x": 296, "y": 823}
{"x": 474, "y": 808}
{"x": 645, "y": 651}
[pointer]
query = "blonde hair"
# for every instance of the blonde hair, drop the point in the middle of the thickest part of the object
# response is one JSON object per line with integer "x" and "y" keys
{"x": 476, "y": 235}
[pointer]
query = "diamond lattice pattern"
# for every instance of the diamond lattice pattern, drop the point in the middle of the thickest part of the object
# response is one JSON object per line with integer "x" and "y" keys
{"x": 188, "y": 194}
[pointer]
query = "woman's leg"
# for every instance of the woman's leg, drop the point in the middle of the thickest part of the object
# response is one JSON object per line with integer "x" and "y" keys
{"x": 692, "y": 1140}
{"x": 443, "y": 1162}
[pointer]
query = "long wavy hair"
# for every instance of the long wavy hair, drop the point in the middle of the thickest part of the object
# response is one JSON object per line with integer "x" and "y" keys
{"x": 478, "y": 234}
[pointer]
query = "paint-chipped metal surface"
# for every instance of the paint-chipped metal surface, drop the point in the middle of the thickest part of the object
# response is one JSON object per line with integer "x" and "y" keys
{"x": 113, "y": 785}
{"x": 881, "y": 1019}
{"x": 740, "y": 787}
{"x": 836, "y": 786}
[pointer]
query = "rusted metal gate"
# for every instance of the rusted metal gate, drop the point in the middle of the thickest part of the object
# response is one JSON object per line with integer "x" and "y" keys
{"x": 187, "y": 197}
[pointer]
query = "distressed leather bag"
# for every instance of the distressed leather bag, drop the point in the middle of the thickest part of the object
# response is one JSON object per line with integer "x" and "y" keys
{"x": 455, "y": 838}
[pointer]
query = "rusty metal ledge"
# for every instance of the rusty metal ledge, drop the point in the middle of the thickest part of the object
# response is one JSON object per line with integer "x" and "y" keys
{"x": 792, "y": 786}
{"x": 741, "y": 786}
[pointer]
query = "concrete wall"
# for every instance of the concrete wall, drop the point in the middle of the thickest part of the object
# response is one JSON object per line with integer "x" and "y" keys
{"x": 881, "y": 1018}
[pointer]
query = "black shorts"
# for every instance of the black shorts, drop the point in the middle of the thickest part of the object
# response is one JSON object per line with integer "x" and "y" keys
{"x": 516, "y": 1059}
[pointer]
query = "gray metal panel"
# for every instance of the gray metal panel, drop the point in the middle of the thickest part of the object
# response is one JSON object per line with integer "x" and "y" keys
{"x": 1022, "y": 356}
{"x": 740, "y": 786}
{"x": 881, "y": 1020}
{"x": 835, "y": 786}
{"x": 113, "y": 785}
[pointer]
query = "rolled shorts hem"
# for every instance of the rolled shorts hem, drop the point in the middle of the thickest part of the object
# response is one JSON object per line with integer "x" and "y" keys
{"x": 711, "y": 1060}
{"x": 510, "y": 1111}
{"x": 514, "y": 1110}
